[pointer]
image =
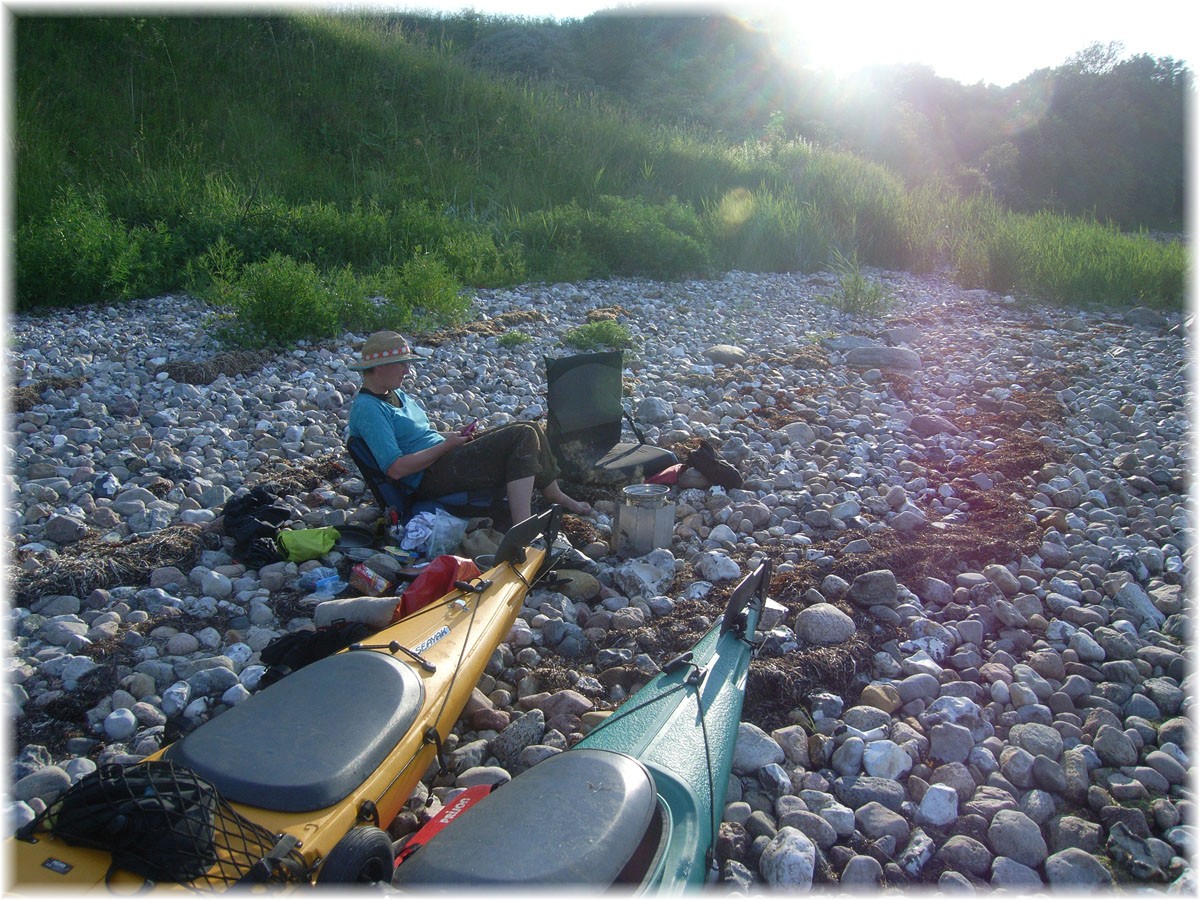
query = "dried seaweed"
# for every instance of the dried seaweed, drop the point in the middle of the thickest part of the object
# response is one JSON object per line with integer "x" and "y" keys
{"x": 93, "y": 563}
{"x": 23, "y": 399}
{"x": 607, "y": 313}
{"x": 230, "y": 364}
{"x": 494, "y": 326}
{"x": 290, "y": 477}
{"x": 807, "y": 356}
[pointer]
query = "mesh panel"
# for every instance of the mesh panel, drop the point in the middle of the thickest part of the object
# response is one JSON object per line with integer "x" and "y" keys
{"x": 165, "y": 823}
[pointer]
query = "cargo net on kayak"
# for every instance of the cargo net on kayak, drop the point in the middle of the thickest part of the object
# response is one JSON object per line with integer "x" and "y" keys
{"x": 165, "y": 823}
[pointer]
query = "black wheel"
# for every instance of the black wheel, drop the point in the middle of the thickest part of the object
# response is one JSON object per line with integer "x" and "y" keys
{"x": 363, "y": 856}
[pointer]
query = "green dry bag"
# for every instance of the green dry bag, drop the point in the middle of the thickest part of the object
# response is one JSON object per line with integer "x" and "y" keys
{"x": 307, "y": 543}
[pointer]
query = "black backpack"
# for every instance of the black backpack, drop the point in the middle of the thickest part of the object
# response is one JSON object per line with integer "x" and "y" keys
{"x": 156, "y": 819}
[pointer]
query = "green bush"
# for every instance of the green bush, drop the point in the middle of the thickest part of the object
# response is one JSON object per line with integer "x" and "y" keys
{"x": 366, "y": 235}
{"x": 327, "y": 236}
{"x": 618, "y": 236}
{"x": 863, "y": 204}
{"x": 253, "y": 225}
{"x": 420, "y": 294}
{"x": 553, "y": 243}
{"x": 1083, "y": 263}
{"x": 80, "y": 253}
{"x": 512, "y": 339}
{"x": 469, "y": 249}
{"x": 278, "y": 301}
{"x": 632, "y": 237}
{"x": 605, "y": 334}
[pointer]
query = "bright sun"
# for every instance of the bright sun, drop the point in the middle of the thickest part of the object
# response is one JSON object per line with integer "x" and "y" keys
{"x": 842, "y": 42}
{"x": 948, "y": 38}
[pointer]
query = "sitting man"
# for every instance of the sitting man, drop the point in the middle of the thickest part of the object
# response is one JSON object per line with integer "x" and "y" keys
{"x": 433, "y": 464}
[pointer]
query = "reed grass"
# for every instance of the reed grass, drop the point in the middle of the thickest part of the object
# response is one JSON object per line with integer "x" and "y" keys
{"x": 335, "y": 149}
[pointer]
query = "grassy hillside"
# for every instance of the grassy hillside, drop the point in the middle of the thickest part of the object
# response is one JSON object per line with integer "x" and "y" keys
{"x": 318, "y": 163}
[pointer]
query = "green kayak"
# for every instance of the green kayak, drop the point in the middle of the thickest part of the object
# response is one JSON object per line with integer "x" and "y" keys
{"x": 636, "y": 803}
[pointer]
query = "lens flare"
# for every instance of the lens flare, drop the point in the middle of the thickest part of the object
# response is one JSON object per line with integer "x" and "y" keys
{"x": 1025, "y": 105}
{"x": 736, "y": 208}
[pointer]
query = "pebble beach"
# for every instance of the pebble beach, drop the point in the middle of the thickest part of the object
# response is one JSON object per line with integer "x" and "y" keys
{"x": 1021, "y": 719}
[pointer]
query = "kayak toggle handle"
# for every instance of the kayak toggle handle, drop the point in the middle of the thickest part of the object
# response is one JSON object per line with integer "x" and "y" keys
{"x": 469, "y": 588}
{"x": 397, "y": 647}
{"x": 674, "y": 665}
{"x": 278, "y": 863}
{"x": 685, "y": 660}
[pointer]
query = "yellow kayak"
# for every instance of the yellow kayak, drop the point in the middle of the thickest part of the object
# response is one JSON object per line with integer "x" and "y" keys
{"x": 310, "y": 770}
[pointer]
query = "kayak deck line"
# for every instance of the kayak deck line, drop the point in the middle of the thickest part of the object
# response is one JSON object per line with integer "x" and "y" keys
{"x": 636, "y": 803}
{"x": 685, "y": 765}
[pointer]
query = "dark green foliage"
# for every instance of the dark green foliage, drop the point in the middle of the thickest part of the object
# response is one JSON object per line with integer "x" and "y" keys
{"x": 760, "y": 232}
{"x": 423, "y": 293}
{"x": 1084, "y": 264}
{"x": 242, "y": 156}
{"x": 617, "y": 236}
{"x": 280, "y": 300}
{"x": 80, "y": 254}
{"x": 632, "y": 237}
{"x": 1110, "y": 143}
{"x": 605, "y": 334}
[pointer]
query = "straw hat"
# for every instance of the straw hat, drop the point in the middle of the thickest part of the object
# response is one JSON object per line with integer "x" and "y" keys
{"x": 381, "y": 348}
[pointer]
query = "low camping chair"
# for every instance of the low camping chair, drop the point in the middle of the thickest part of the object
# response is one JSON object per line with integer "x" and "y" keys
{"x": 584, "y": 416}
{"x": 392, "y": 494}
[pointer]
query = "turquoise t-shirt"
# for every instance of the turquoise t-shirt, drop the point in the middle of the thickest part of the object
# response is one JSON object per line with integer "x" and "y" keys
{"x": 391, "y": 431}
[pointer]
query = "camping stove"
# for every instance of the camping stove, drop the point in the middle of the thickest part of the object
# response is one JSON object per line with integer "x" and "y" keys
{"x": 645, "y": 521}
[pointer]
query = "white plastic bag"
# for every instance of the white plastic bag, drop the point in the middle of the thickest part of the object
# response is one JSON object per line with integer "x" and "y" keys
{"x": 448, "y": 532}
{"x": 417, "y": 532}
{"x": 434, "y": 534}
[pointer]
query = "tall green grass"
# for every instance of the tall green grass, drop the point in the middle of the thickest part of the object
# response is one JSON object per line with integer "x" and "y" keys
{"x": 242, "y": 157}
{"x": 1084, "y": 263}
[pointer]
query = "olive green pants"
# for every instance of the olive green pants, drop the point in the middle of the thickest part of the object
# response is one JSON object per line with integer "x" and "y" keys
{"x": 493, "y": 459}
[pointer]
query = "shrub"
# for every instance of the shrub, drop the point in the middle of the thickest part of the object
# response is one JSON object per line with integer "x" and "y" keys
{"x": 366, "y": 235}
{"x": 512, "y": 339}
{"x": 632, "y": 237}
{"x": 1082, "y": 262}
{"x": 617, "y": 236}
{"x": 863, "y": 203}
{"x": 422, "y": 293}
{"x": 469, "y": 250}
{"x": 361, "y": 236}
{"x": 278, "y": 301}
{"x": 857, "y": 293}
{"x": 599, "y": 335}
{"x": 253, "y": 225}
{"x": 553, "y": 243}
{"x": 80, "y": 253}
{"x": 762, "y": 231}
